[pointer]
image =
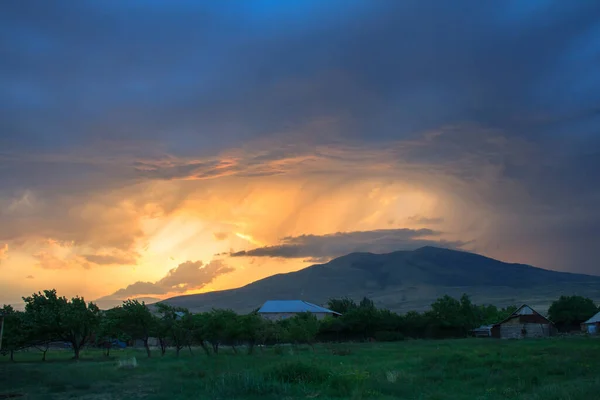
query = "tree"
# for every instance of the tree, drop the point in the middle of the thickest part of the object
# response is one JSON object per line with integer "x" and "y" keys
{"x": 333, "y": 329}
{"x": 251, "y": 326}
{"x": 161, "y": 329}
{"x": 362, "y": 322}
{"x": 506, "y": 312}
{"x": 303, "y": 328}
{"x": 490, "y": 314}
{"x": 199, "y": 330}
{"x": 569, "y": 312}
{"x": 214, "y": 329}
{"x": 13, "y": 335}
{"x": 222, "y": 327}
{"x": 109, "y": 329}
{"x": 270, "y": 332}
{"x": 415, "y": 324}
{"x": 176, "y": 322}
{"x": 41, "y": 324}
{"x": 367, "y": 304}
{"x": 137, "y": 321}
{"x": 72, "y": 321}
{"x": 342, "y": 305}
{"x": 453, "y": 317}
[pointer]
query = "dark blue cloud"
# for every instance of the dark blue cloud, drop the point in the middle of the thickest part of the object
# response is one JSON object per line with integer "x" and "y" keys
{"x": 512, "y": 86}
{"x": 209, "y": 74}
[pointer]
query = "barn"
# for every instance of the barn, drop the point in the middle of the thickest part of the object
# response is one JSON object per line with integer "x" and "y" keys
{"x": 282, "y": 309}
{"x": 592, "y": 325}
{"x": 525, "y": 322}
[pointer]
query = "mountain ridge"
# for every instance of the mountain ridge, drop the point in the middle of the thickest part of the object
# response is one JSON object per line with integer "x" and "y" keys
{"x": 403, "y": 280}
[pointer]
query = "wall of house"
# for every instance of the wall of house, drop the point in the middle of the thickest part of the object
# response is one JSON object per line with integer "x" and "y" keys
{"x": 592, "y": 329}
{"x": 280, "y": 316}
{"x": 512, "y": 330}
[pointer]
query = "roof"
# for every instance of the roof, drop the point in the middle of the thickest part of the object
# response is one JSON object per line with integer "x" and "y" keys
{"x": 595, "y": 319}
{"x": 293, "y": 306}
{"x": 523, "y": 310}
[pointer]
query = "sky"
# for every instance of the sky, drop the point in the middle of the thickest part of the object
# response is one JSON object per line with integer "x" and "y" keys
{"x": 156, "y": 148}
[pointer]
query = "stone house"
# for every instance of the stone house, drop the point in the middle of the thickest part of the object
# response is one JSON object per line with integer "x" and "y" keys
{"x": 525, "y": 322}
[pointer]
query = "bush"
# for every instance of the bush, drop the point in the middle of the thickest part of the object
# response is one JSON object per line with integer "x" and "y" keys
{"x": 347, "y": 384}
{"x": 388, "y": 336}
{"x": 244, "y": 384}
{"x": 297, "y": 372}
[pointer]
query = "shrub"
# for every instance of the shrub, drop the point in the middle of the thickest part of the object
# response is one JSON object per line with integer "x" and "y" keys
{"x": 347, "y": 384}
{"x": 298, "y": 372}
{"x": 388, "y": 336}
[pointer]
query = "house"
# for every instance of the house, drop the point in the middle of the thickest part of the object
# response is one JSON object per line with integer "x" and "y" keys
{"x": 282, "y": 309}
{"x": 592, "y": 325}
{"x": 482, "y": 331}
{"x": 525, "y": 322}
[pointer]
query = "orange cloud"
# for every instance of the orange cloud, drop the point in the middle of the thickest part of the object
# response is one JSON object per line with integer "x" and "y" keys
{"x": 186, "y": 276}
{"x": 170, "y": 211}
{"x": 4, "y": 252}
{"x": 47, "y": 260}
{"x": 125, "y": 258}
{"x": 220, "y": 235}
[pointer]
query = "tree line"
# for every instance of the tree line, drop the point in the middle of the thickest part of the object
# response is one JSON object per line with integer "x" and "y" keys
{"x": 48, "y": 319}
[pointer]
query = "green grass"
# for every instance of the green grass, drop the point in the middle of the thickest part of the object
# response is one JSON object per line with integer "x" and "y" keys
{"x": 550, "y": 369}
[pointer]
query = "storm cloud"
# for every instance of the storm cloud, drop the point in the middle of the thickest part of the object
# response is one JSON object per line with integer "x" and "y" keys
{"x": 320, "y": 247}
{"x": 111, "y": 128}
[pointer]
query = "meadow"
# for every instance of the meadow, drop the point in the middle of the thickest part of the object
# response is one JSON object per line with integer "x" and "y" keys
{"x": 548, "y": 369}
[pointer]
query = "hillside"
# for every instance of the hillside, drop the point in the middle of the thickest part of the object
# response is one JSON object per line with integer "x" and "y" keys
{"x": 404, "y": 280}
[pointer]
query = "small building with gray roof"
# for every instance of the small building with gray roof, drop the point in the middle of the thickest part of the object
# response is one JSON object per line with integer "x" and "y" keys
{"x": 592, "y": 325}
{"x": 282, "y": 309}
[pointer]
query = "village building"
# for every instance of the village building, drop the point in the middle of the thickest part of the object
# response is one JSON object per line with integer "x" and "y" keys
{"x": 282, "y": 309}
{"x": 482, "y": 331}
{"x": 592, "y": 325}
{"x": 525, "y": 322}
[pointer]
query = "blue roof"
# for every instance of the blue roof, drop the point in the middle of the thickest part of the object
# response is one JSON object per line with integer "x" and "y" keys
{"x": 293, "y": 306}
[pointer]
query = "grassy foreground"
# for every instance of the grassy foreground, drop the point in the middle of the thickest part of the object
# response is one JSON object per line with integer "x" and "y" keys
{"x": 470, "y": 369}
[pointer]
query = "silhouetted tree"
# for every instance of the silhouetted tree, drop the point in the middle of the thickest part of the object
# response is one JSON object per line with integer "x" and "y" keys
{"x": 137, "y": 321}
{"x": 109, "y": 329}
{"x": 342, "y": 305}
{"x": 303, "y": 328}
{"x": 568, "y": 312}
{"x": 14, "y": 336}
{"x": 72, "y": 321}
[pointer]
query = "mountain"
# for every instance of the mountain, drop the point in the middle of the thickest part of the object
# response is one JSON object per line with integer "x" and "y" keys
{"x": 403, "y": 281}
{"x": 108, "y": 302}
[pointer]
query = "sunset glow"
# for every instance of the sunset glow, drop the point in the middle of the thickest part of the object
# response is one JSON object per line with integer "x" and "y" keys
{"x": 138, "y": 163}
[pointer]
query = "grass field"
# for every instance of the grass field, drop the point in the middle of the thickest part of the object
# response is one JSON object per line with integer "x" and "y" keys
{"x": 548, "y": 369}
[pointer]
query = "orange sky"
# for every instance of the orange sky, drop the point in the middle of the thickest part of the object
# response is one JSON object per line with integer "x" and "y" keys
{"x": 140, "y": 233}
{"x": 238, "y": 142}
{"x": 115, "y": 238}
